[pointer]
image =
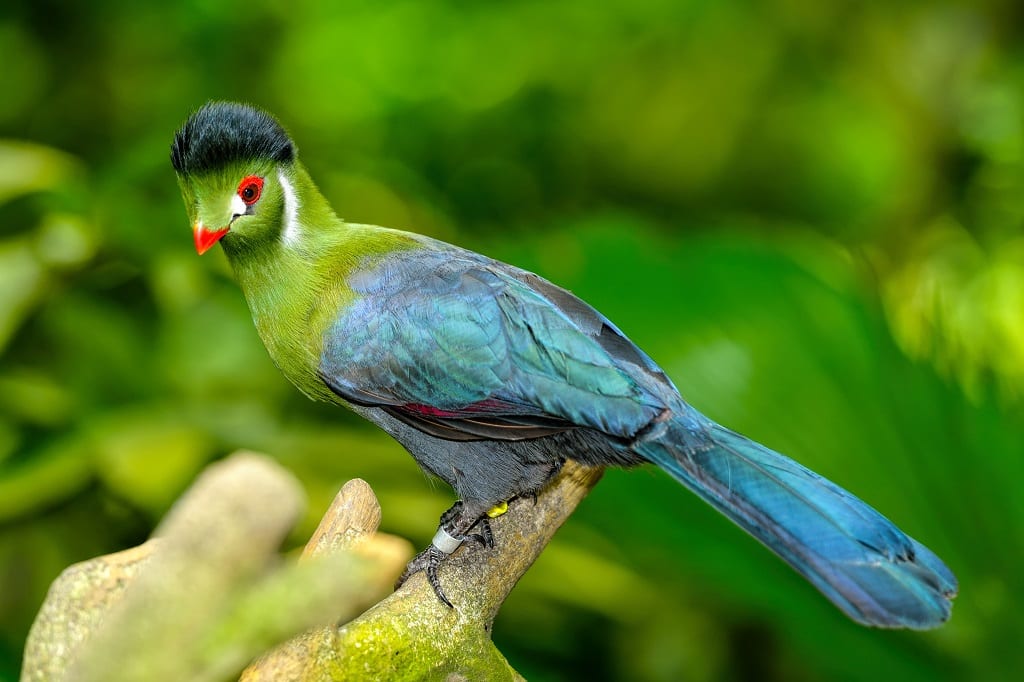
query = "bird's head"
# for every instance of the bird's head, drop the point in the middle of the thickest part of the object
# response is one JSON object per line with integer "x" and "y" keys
{"x": 235, "y": 167}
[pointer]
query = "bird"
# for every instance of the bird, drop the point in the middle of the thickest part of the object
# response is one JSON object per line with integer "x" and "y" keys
{"x": 491, "y": 377}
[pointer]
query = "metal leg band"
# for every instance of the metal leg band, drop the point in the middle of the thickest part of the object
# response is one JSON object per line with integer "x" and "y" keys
{"x": 445, "y": 542}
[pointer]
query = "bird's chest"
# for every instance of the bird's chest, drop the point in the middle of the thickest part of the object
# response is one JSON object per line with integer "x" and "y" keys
{"x": 289, "y": 332}
{"x": 294, "y": 295}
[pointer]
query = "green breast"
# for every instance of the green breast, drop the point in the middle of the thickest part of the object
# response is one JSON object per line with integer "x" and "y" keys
{"x": 295, "y": 293}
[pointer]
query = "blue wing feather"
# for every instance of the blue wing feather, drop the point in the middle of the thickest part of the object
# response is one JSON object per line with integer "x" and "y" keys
{"x": 450, "y": 329}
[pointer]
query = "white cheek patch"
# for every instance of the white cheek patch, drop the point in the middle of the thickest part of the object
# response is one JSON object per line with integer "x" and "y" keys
{"x": 238, "y": 206}
{"x": 291, "y": 210}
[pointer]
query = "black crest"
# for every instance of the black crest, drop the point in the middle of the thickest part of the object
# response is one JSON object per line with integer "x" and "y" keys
{"x": 223, "y": 132}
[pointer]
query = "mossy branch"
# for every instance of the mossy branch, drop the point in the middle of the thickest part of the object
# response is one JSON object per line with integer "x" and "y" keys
{"x": 209, "y": 594}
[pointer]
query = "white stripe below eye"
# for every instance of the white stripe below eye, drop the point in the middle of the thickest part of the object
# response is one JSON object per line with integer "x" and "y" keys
{"x": 237, "y": 206}
{"x": 291, "y": 210}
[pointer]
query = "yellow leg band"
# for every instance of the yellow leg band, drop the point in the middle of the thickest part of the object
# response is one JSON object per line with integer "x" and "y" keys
{"x": 497, "y": 510}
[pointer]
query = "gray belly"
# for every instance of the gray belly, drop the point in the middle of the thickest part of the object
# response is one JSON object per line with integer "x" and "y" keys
{"x": 494, "y": 471}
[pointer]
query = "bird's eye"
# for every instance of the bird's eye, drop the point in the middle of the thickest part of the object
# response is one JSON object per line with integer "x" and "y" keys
{"x": 250, "y": 189}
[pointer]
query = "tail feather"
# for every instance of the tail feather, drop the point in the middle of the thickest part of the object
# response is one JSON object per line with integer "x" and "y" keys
{"x": 859, "y": 559}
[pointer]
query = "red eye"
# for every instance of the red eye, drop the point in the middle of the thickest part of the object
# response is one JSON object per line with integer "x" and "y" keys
{"x": 250, "y": 189}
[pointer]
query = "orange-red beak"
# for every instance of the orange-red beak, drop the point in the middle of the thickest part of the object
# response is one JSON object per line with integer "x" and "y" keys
{"x": 205, "y": 239}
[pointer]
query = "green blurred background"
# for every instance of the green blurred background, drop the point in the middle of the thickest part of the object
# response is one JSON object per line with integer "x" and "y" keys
{"x": 808, "y": 212}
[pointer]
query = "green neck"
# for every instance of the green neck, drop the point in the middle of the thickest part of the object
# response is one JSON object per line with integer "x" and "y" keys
{"x": 292, "y": 284}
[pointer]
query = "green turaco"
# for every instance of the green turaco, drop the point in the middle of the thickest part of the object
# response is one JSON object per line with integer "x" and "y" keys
{"x": 491, "y": 376}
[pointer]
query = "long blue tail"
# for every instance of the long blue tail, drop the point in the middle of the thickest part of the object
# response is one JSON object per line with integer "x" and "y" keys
{"x": 866, "y": 565}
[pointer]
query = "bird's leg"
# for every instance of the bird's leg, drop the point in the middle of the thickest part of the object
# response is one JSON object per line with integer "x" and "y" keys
{"x": 452, "y": 531}
{"x": 485, "y": 537}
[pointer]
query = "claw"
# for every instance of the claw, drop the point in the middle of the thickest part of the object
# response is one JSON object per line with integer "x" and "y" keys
{"x": 435, "y": 582}
{"x": 486, "y": 536}
{"x": 427, "y": 561}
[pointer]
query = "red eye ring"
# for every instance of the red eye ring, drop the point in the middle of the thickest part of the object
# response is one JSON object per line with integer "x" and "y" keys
{"x": 250, "y": 189}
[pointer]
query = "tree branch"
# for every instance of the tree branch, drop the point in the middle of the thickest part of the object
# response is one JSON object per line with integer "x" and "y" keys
{"x": 206, "y": 596}
{"x": 411, "y": 634}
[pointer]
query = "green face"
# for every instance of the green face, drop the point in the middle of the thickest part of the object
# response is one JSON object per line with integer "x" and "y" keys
{"x": 241, "y": 203}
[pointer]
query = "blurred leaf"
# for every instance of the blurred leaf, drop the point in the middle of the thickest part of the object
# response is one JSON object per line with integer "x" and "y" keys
{"x": 22, "y": 283}
{"x": 50, "y": 476}
{"x": 26, "y": 167}
{"x": 35, "y": 397}
{"x": 147, "y": 458}
{"x": 22, "y": 85}
{"x": 954, "y": 304}
{"x": 65, "y": 240}
{"x": 10, "y": 439}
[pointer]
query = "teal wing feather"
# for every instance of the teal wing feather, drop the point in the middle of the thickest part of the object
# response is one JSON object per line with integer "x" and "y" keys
{"x": 486, "y": 350}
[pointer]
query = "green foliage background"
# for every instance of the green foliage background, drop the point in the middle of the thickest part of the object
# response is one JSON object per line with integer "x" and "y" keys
{"x": 809, "y": 212}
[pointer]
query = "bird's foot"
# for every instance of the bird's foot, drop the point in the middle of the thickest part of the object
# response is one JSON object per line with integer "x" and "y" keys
{"x": 428, "y": 561}
{"x": 452, "y": 531}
